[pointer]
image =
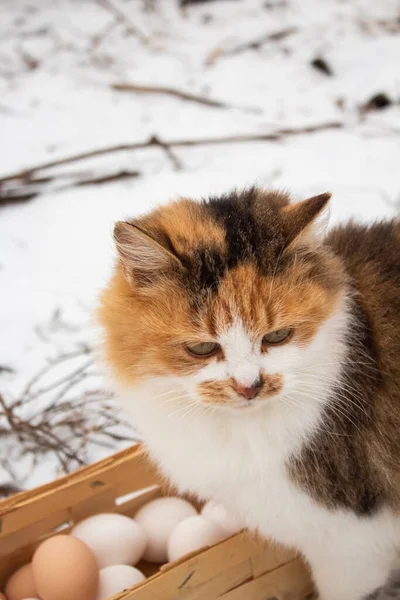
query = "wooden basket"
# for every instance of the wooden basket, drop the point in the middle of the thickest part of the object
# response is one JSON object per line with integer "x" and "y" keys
{"x": 239, "y": 568}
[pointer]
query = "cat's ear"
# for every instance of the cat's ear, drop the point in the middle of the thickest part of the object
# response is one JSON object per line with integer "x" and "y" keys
{"x": 144, "y": 260}
{"x": 304, "y": 221}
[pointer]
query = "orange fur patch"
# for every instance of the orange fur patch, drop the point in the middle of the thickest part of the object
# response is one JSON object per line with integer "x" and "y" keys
{"x": 186, "y": 223}
{"x": 265, "y": 304}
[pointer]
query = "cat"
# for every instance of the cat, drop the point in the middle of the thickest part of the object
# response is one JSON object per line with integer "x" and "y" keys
{"x": 260, "y": 359}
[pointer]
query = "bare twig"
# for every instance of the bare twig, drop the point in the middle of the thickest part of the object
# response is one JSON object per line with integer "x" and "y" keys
{"x": 99, "y": 38}
{"x": 254, "y": 44}
{"x": 167, "y": 91}
{"x": 85, "y": 350}
{"x": 176, "y": 162}
{"x": 67, "y": 379}
{"x": 277, "y": 135}
{"x": 123, "y": 18}
{"x": 64, "y": 426}
{"x": 99, "y": 179}
{"x": 182, "y": 95}
{"x": 21, "y": 196}
{"x": 22, "y": 190}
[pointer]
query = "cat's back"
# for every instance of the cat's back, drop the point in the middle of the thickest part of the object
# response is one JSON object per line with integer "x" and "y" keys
{"x": 371, "y": 253}
{"x": 371, "y": 256}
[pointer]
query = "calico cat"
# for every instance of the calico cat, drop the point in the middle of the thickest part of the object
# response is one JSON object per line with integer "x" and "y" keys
{"x": 261, "y": 362}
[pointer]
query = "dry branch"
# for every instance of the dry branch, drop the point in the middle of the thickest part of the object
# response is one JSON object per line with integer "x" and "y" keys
{"x": 47, "y": 419}
{"x": 123, "y": 18}
{"x": 182, "y": 95}
{"x": 29, "y": 186}
{"x": 254, "y": 44}
{"x": 154, "y": 141}
{"x": 99, "y": 38}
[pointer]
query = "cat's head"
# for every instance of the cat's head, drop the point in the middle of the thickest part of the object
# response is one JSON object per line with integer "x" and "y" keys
{"x": 223, "y": 298}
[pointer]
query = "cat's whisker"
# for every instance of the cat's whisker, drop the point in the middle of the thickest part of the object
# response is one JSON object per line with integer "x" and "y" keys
{"x": 286, "y": 399}
{"x": 201, "y": 411}
{"x": 346, "y": 362}
{"x": 184, "y": 410}
{"x": 333, "y": 392}
{"x": 334, "y": 388}
{"x": 183, "y": 396}
{"x": 345, "y": 393}
{"x": 168, "y": 392}
{"x": 292, "y": 404}
{"x": 334, "y": 408}
{"x": 335, "y": 384}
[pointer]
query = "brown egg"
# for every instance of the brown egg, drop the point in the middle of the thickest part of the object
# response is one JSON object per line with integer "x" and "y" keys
{"x": 21, "y": 584}
{"x": 65, "y": 568}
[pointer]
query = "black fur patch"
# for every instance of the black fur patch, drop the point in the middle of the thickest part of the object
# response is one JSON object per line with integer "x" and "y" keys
{"x": 204, "y": 269}
{"x": 236, "y": 215}
{"x": 250, "y": 237}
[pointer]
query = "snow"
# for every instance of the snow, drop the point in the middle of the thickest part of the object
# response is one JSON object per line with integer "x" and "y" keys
{"x": 58, "y": 60}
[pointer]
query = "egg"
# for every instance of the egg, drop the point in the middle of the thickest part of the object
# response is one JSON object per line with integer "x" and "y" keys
{"x": 159, "y": 518}
{"x": 192, "y": 534}
{"x": 227, "y": 520}
{"x": 117, "y": 578}
{"x": 65, "y": 568}
{"x": 114, "y": 539}
{"x": 21, "y": 584}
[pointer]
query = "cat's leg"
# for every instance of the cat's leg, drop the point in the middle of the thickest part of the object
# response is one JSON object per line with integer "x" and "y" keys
{"x": 345, "y": 575}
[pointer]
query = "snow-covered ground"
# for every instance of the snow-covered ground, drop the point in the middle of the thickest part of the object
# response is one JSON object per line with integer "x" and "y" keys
{"x": 59, "y": 63}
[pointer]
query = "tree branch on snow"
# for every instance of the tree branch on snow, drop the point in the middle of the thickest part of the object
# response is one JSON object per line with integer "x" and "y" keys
{"x": 99, "y": 37}
{"x": 25, "y": 175}
{"x": 21, "y": 189}
{"x": 182, "y": 95}
{"x": 254, "y": 44}
{"x": 123, "y": 18}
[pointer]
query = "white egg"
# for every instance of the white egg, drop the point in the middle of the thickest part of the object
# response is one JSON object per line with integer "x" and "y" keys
{"x": 192, "y": 534}
{"x": 117, "y": 578}
{"x": 114, "y": 539}
{"x": 158, "y": 519}
{"x": 226, "y": 519}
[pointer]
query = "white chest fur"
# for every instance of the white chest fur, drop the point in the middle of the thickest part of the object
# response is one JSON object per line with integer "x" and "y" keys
{"x": 241, "y": 463}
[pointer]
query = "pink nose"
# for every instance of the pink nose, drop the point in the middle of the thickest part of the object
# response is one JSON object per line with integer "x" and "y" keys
{"x": 249, "y": 392}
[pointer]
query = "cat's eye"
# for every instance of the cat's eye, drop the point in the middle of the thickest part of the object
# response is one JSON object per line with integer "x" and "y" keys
{"x": 280, "y": 336}
{"x": 203, "y": 349}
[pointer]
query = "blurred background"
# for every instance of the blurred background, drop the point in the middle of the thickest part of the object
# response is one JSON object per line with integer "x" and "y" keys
{"x": 110, "y": 107}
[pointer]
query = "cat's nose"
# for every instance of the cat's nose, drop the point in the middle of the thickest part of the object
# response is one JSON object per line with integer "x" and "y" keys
{"x": 249, "y": 391}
